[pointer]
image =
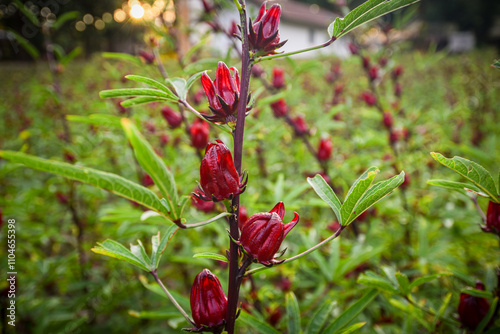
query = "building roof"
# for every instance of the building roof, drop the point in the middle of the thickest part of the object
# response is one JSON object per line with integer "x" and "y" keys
{"x": 303, "y": 13}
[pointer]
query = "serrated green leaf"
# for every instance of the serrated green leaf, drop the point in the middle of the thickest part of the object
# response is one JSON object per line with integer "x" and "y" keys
{"x": 377, "y": 192}
{"x": 358, "y": 189}
{"x": 122, "y": 56}
{"x": 421, "y": 280}
{"x": 473, "y": 172}
{"x": 404, "y": 283}
{"x": 212, "y": 256}
{"x": 116, "y": 250}
{"x": 458, "y": 186}
{"x": 327, "y": 194}
{"x": 96, "y": 119}
{"x": 482, "y": 325}
{"x": 167, "y": 236}
{"x": 151, "y": 82}
{"x": 123, "y": 92}
{"x": 257, "y": 324}
{"x": 292, "y": 313}
{"x": 477, "y": 293}
{"x": 139, "y": 251}
{"x": 319, "y": 317}
{"x": 107, "y": 181}
{"x": 353, "y": 328}
{"x": 364, "y": 13}
{"x": 153, "y": 165}
{"x": 375, "y": 281}
{"x": 351, "y": 313}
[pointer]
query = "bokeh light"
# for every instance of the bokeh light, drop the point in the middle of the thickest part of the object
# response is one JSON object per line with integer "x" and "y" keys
{"x": 99, "y": 24}
{"x": 107, "y": 17}
{"x": 120, "y": 15}
{"x": 137, "y": 11}
{"x": 88, "y": 19}
{"x": 80, "y": 26}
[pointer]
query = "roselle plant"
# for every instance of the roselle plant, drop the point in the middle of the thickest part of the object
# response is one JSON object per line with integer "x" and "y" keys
{"x": 222, "y": 177}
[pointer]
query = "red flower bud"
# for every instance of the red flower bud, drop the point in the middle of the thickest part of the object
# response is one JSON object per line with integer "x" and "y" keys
{"x": 275, "y": 315}
{"x": 388, "y": 120}
{"x": 218, "y": 177}
{"x": 325, "y": 149}
{"x": 263, "y": 34}
{"x": 393, "y": 137}
{"x": 208, "y": 301}
{"x": 397, "y": 89}
{"x": 200, "y": 204}
{"x": 199, "y": 134}
{"x": 369, "y": 98}
{"x": 150, "y": 127}
{"x": 353, "y": 48}
{"x": 373, "y": 73}
{"x": 198, "y": 96}
{"x": 164, "y": 139}
{"x": 397, "y": 72}
{"x": 339, "y": 89}
{"x": 69, "y": 157}
{"x": 223, "y": 93}
{"x": 280, "y": 108}
{"x": 148, "y": 57}
{"x": 471, "y": 309}
{"x": 300, "y": 126}
{"x": 366, "y": 63}
{"x": 147, "y": 181}
{"x": 257, "y": 71}
{"x": 278, "y": 78}
{"x": 173, "y": 118}
{"x": 264, "y": 232}
{"x": 382, "y": 61}
{"x": 493, "y": 218}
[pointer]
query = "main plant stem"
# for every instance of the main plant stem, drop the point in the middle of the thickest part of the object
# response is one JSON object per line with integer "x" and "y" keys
{"x": 234, "y": 275}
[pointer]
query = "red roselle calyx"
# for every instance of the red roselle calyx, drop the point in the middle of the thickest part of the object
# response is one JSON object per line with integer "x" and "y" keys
{"x": 300, "y": 126}
{"x": 373, "y": 73}
{"x": 366, "y": 63}
{"x": 397, "y": 72}
{"x": 278, "y": 78}
{"x": 208, "y": 302}
{"x": 353, "y": 48}
{"x": 471, "y": 309}
{"x": 263, "y": 233}
{"x": 325, "y": 149}
{"x": 199, "y": 134}
{"x": 493, "y": 218}
{"x": 218, "y": 177}
{"x": 388, "y": 120}
{"x": 223, "y": 93}
{"x": 369, "y": 98}
{"x": 263, "y": 35}
{"x": 280, "y": 108}
{"x": 173, "y": 118}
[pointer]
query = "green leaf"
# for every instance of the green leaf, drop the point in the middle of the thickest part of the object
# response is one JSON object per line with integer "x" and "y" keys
{"x": 293, "y": 313}
{"x": 473, "y": 172}
{"x": 154, "y": 314}
{"x": 160, "y": 246}
{"x": 27, "y": 12}
{"x": 25, "y": 44}
{"x": 139, "y": 251}
{"x": 65, "y": 18}
{"x": 96, "y": 119}
{"x": 352, "y": 312}
{"x": 257, "y": 324}
{"x": 70, "y": 56}
{"x": 442, "y": 309}
{"x": 458, "y": 186}
{"x": 121, "y": 92}
{"x": 482, "y": 325}
{"x": 496, "y": 64}
{"x": 327, "y": 194}
{"x": 377, "y": 192}
{"x": 122, "y": 56}
{"x": 364, "y": 13}
{"x": 116, "y": 250}
{"x": 404, "y": 283}
{"x": 213, "y": 256}
{"x": 108, "y": 181}
{"x": 319, "y": 317}
{"x": 181, "y": 204}
{"x": 477, "y": 293}
{"x": 353, "y": 328}
{"x": 180, "y": 87}
{"x": 358, "y": 189}
{"x": 151, "y": 82}
{"x": 193, "y": 79}
{"x": 138, "y": 100}
{"x": 375, "y": 281}
{"x": 421, "y": 280}
{"x": 153, "y": 165}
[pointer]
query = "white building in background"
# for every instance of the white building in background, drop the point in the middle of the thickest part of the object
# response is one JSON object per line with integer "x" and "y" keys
{"x": 302, "y": 24}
